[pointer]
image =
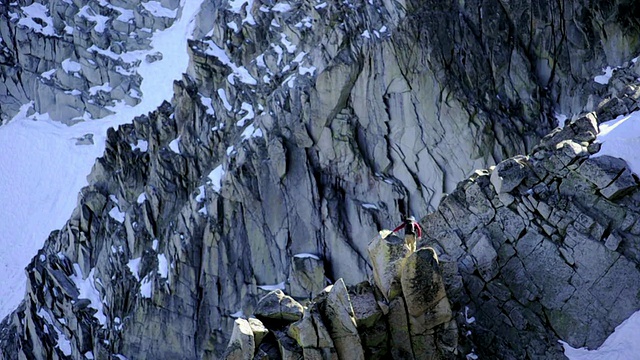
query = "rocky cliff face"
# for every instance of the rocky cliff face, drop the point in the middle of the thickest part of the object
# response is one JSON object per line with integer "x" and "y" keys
{"x": 305, "y": 127}
{"x": 403, "y": 314}
{"x": 542, "y": 247}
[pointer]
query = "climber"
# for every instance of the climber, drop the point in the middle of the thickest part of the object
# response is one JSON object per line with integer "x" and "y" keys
{"x": 412, "y": 233}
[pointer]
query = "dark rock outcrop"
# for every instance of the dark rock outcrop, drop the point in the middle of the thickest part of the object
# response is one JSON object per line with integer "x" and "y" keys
{"x": 304, "y": 128}
{"x": 359, "y": 322}
{"x": 542, "y": 247}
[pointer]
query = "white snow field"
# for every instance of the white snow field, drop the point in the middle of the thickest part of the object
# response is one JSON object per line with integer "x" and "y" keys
{"x": 42, "y": 169}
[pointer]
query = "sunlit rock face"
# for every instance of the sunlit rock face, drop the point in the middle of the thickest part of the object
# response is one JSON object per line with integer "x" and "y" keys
{"x": 306, "y": 127}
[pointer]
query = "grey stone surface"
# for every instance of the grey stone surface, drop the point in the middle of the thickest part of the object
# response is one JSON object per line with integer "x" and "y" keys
{"x": 242, "y": 343}
{"x": 387, "y": 254}
{"x": 277, "y": 305}
{"x": 405, "y": 114}
{"x": 422, "y": 284}
{"x": 306, "y": 276}
{"x": 340, "y": 322}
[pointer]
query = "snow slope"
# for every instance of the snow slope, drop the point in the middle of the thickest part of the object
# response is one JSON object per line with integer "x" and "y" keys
{"x": 623, "y": 344}
{"x": 620, "y": 138}
{"x": 42, "y": 169}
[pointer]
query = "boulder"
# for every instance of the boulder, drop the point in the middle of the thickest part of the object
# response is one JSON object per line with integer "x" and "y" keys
{"x": 508, "y": 174}
{"x": 258, "y": 329}
{"x": 289, "y": 349}
{"x": 340, "y": 322}
{"x": 421, "y": 280}
{"x": 365, "y": 306}
{"x": 601, "y": 170}
{"x": 242, "y": 344}
{"x": 399, "y": 330}
{"x": 310, "y": 332}
{"x": 387, "y": 254}
{"x": 278, "y": 306}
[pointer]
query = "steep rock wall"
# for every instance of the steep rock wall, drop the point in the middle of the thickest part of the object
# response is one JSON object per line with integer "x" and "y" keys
{"x": 301, "y": 128}
{"x": 542, "y": 247}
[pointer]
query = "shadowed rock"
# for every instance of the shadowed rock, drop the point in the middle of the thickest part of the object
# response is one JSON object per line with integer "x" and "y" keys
{"x": 422, "y": 285}
{"x": 276, "y": 305}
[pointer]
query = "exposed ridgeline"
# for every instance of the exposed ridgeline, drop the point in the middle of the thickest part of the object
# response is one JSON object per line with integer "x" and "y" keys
{"x": 298, "y": 129}
{"x": 404, "y": 313}
{"x": 542, "y": 247}
{"x": 73, "y": 59}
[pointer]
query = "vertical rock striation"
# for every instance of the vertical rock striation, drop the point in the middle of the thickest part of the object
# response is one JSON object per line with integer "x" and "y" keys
{"x": 542, "y": 247}
{"x": 303, "y": 127}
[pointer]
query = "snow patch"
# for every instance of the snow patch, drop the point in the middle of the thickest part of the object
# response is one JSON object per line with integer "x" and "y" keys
{"x": 249, "y": 113}
{"x": 299, "y": 57}
{"x": 70, "y": 66}
{"x": 467, "y": 319}
{"x": 623, "y": 344}
{"x": 201, "y": 194}
{"x": 281, "y": 7}
{"x": 116, "y": 214}
{"x": 141, "y": 145}
{"x": 278, "y": 51}
{"x": 208, "y": 104}
{"x": 562, "y": 119}
{"x": 236, "y": 7}
{"x": 604, "y": 79}
{"x": 105, "y": 87}
{"x": 134, "y": 267}
{"x": 174, "y": 145}
{"x": 306, "y": 255}
{"x": 48, "y": 74}
{"x": 233, "y": 26}
{"x": 305, "y": 22}
{"x": 216, "y": 178}
{"x": 237, "y": 314}
{"x": 251, "y": 131}
{"x": 287, "y": 44}
{"x": 37, "y": 11}
{"x": 225, "y": 102}
{"x": 145, "y": 287}
{"x": 88, "y": 291}
{"x": 163, "y": 266}
{"x": 272, "y": 287}
{"x": 621, "y": 138}
{"x": 302, "y": 70}
{"x": 101, "y": 21}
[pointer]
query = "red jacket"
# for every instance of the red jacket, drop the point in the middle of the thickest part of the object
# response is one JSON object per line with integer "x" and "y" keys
{"x": 415, "y": 225}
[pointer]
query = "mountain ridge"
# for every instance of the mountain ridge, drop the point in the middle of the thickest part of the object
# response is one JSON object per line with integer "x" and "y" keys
{"x": 289, "y": 154}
